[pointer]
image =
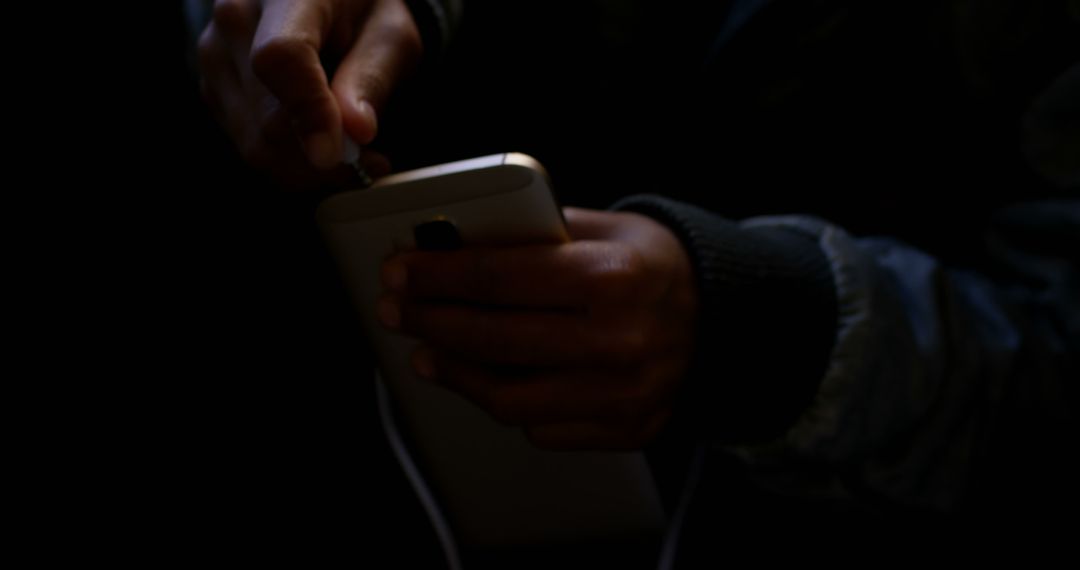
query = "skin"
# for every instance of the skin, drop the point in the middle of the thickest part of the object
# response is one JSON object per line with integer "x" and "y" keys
{"x": 262, "y": 63}
{"x": 582, "y": 344}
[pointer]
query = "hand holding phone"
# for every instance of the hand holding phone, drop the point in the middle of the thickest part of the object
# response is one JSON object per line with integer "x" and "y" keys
{"x": 496, "y": 487}
{"x": 583, "y": 344}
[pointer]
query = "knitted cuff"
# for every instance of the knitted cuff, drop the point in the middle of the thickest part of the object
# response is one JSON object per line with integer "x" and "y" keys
{"x": 766, "y": 326}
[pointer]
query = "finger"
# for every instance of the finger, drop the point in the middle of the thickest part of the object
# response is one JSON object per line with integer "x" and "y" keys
{"x": 523, "y": 338}
{"x": 583, "y": 224}
{"x": 285, "y": 58}
{"x": 387, "y": 48}
{"x": 255, "y": 119}
{"x": 571, "y": 275}
{"x": 573, "y": 436}
{"x": 376, "y": 164}
{"x": 275, "y": 125}
{"x": 213, "y": 54}
{"x": 546, "y": 397}
{"x": 212, "y": 64}
{"x": 236, "y": 21}
{"x": 285, "y": 160}
{"x": 220, "y": 84}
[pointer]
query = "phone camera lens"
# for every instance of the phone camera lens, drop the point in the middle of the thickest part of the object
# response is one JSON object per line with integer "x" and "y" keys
{"x": 437, "y": 235}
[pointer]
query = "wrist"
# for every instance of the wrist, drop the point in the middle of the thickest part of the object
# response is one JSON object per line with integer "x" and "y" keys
{"x": 767, "y": 321}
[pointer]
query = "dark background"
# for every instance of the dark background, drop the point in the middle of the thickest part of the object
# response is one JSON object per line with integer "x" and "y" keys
{"x": 235, "y": 386}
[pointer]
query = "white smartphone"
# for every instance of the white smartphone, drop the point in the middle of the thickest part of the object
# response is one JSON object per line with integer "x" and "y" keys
{"x": 492, "y": 485}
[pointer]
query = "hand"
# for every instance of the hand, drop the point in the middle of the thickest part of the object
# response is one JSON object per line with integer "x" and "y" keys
{"x": 263, "y": 76}
{"x": 582, "y": 344}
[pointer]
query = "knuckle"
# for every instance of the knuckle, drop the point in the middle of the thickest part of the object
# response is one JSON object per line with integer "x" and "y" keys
{"x": 616, "y": 273}
{"x": 413, "y": 320}
{"x": 482, "y": 275}
{"x": 270, "y": 56}
{"x": 408, "y": 40}
{"x": 626, "y": 347}
{"x": 376, "y": 85}
{"x": 398, "y": 27}
{"x": 232, "y": 15}
{"x": 207, "y": 43}
{"x": 208, "y": 48}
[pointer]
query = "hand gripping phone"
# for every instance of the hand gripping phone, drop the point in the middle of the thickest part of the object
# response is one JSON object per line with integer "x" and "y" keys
{"x": 492, "y": 485}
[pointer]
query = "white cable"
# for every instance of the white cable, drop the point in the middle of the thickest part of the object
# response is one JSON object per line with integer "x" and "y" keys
{"x": 350, "y": 155}
{"x": 412, "y": 473}
{"x": 671, "y": 538}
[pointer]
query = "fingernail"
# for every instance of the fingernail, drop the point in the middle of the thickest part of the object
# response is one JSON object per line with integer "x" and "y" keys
{"x": 367, "y": 112}
{"x": 423, "y": 362}
{"x": 394, "y": 276}
{"x": 389, "y": 313}
{"x": 350, "y": 151}
{"x": 321, "y": 150}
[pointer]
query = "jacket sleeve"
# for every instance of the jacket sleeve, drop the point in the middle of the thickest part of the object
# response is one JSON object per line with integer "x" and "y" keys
{"x": 916, "y": 383}
{"x": 437, "y": 21}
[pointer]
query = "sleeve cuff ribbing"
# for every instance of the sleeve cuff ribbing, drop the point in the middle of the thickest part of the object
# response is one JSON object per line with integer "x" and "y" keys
{"x": 766, "y": 326}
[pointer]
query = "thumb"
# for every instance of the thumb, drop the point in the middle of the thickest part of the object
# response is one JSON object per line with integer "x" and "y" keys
{"x": 387, "y": 49}
{"x": 285, "y": 58}
{"x": 589, "y": 225}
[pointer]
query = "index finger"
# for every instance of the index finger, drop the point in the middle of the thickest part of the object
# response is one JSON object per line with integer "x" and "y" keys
{"x": 571, "y": 275}
{"x": 285, "y": 58}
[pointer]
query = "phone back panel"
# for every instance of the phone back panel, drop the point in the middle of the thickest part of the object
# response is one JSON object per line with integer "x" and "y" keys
{"x": 495, "y": 487}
